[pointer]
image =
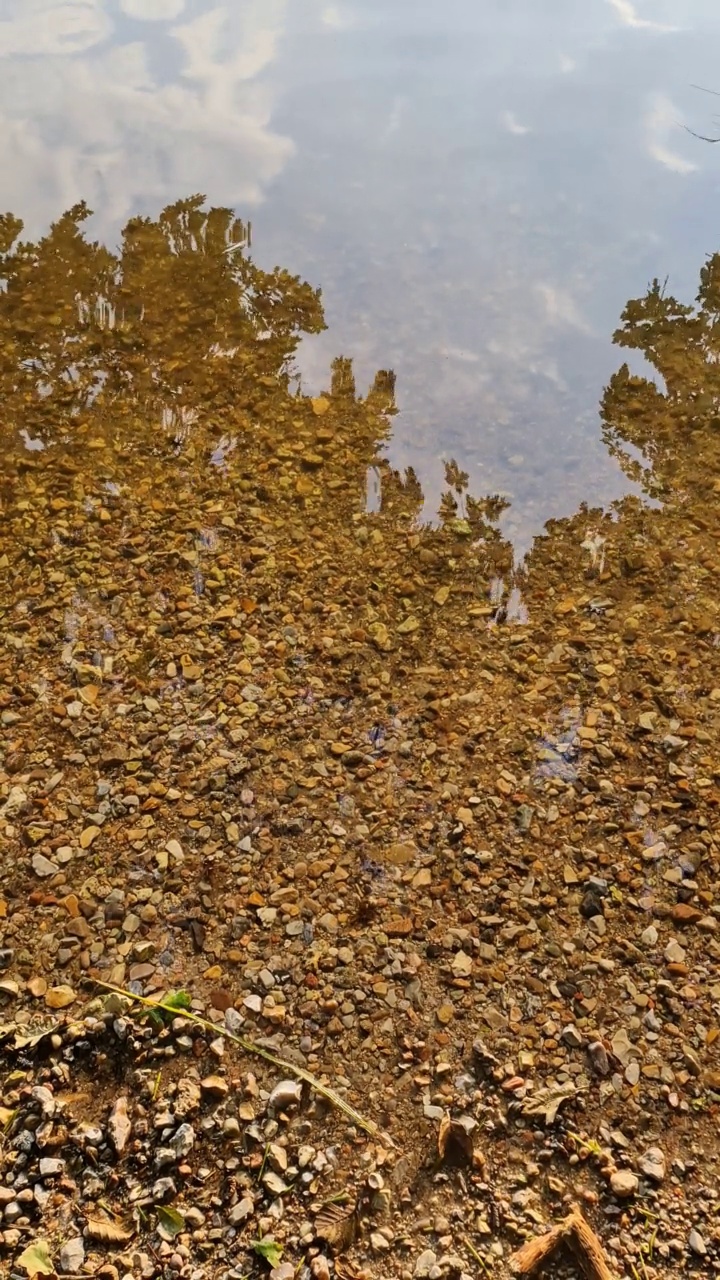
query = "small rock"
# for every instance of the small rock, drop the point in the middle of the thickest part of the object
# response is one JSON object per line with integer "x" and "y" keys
{"x": 683, "y": 913}
{"x": 696, "y": 1243}
{"x": 591, "y": 905}
{"x": 183, "y": 1141}
{"x": 320, "y": 1267}
{"x": 72, "y": 1255}
{"x": 425, "y": 1264}
{"x": 653, "y": 1164}
{"x": 624, "y": 1183}
{"x": 285, "y": 1094}
{"x": 59, "y": 997}
{"x": 187, "y": 1097}
{"x": 462, "y": 965}
{"x": 691, "y": 1060}
{"x": 621, "y": 1046}
{"x": 241, "y": 1211}
{"x": 215, "y": 1086}
{"x": 379, "y": 1242}
{"x": 119, "y": 1126}
{"x": 285, "y": 1271}
{"x": 164, "y": 1189}
{"x": 598, "y": 1058}
{"x": 46, "y": 1100}
{"x": 572, "y": 1037}
{"x": 43, "y": 867}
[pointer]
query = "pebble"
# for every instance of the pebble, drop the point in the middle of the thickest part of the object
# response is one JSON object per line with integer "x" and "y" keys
{"x": 72, "y": 1255}
{"x": 598, "y": 1058}
{"x": 674, "y": 953}
{"x": 624, "y": 1183}
{"x": 696, "y": 1244}
{"x": 632, "y": 1073}
{"x": 240, "y": 1212}
{"x": 183, "y": 1141}
{"x": 119, "y": 1126}
{"x": 43, "y": 867}
{"x": 425, "y": 1264}
{"x": 653, "y": 1164}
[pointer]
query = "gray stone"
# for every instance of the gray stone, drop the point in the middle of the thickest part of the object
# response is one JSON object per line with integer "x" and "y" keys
{"x": 233, "y": 1021}
{"x": 45, "y": 1099}
{"x": 241, "y": 1211}
{"x": 696, "y": 1243}
{"x": 43, "y": 867}
{"x": 72, "y": 1255}
{"x": 164, "y": 1156}
{"x": 164, "y": 1189}
{"x": 572, "y": 1037}
{"x": 653, "y": 1164}
{"x": 183, "y": 1141}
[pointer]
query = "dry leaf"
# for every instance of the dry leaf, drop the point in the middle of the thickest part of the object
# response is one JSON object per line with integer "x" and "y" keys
{"x": 338, "y": 1225}
{"x": 547, "y": 1102}
{"x": 455, "y": 1144}
{"x": 107, "y": 1232}
{"x": 346, "y": 1270}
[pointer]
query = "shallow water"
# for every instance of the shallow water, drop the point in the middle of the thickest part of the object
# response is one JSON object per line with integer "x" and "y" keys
{"x": 477, "y": 190}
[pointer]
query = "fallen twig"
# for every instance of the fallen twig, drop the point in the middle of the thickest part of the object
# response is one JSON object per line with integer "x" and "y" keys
{"x": 249, "y": 1046}
{"x": 477, "y": 1256}
{"x": 573, "y": 1231}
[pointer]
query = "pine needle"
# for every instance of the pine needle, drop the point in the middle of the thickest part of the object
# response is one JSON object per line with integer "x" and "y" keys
{"x": 249, "y": 1046}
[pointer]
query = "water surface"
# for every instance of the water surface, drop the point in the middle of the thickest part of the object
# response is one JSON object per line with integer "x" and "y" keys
{"x": 477, "y": 189}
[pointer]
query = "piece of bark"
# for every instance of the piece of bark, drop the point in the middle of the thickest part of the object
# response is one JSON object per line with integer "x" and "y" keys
{"x": 535, "y": 1253}
{"x": 587, "y": 1245}
{"x": 574, "y": 1231}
